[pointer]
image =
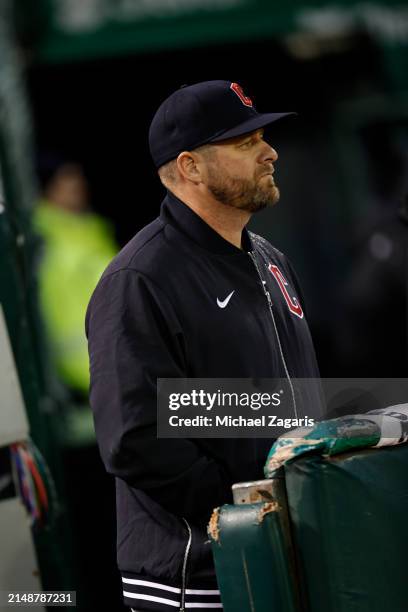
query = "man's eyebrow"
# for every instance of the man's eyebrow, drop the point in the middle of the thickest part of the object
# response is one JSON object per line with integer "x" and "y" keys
{"x": 244, "y": 137}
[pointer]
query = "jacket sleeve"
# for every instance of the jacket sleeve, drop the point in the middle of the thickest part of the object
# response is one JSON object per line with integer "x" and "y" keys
{"x": 134, "y": 338}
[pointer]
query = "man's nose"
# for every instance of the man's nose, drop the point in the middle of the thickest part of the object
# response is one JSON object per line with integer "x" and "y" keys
{"x": 269, "y": 153}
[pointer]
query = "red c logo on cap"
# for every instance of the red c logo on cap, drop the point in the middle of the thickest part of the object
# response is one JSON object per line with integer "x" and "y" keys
{"x": 239, "y": 91}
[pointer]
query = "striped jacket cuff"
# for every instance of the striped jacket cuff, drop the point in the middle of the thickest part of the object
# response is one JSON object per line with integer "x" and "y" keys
{"x": 148, "y": 594}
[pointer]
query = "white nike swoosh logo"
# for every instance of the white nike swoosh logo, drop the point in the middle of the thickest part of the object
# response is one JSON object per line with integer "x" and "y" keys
{"x": 225, "y": 302}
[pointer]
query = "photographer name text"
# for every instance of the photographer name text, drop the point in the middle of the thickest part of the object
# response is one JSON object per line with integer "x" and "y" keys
{"x": 228, "y": 421}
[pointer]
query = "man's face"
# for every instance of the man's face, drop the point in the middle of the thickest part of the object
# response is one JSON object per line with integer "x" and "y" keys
{"x": 239, "y": 172}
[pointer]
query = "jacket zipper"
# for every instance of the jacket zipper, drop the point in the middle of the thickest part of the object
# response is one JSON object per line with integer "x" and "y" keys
{"x": 184, "y": 570}
{"x": 269, "y": 300}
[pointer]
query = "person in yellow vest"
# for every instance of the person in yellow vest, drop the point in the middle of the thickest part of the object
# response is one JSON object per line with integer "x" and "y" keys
{"x": 77, "y": 246}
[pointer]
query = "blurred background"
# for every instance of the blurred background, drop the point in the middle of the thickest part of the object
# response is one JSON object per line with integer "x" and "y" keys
{"x": 80, "y": 81}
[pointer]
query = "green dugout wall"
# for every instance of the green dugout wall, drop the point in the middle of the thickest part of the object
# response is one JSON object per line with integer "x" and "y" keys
{"x": 66, "y": 443}
{"x": 346, "y": 538}
{"x": 18, "y": 252}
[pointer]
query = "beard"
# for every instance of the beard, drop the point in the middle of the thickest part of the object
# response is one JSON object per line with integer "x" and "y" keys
{"x": 251, "y": 195}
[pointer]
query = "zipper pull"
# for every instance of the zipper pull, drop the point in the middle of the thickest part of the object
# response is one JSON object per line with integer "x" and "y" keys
{"x": 268, "y": 297}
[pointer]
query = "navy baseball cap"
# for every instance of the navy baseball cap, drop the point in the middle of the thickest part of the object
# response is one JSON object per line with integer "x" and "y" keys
{"x": 206, "y": 112}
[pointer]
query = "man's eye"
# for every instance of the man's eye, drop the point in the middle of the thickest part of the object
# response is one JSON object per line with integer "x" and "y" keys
{"x": 245, "y": 144}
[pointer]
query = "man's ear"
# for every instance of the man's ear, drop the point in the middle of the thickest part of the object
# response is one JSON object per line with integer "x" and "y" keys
{"x": 189, "y": 167}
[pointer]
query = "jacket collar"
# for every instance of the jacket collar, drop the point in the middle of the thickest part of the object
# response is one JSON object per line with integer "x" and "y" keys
{"x": 177, "y": 213}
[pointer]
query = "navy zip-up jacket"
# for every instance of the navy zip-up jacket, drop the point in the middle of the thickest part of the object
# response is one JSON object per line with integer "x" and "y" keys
{"x": 154, "y": 314}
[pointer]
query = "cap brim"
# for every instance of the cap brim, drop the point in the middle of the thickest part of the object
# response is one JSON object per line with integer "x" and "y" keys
{"x": 261, "y": 120}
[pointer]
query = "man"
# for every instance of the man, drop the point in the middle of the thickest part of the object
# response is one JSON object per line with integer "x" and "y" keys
{"x": 77, "y": 247}
{"x": 194, "y": 294}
